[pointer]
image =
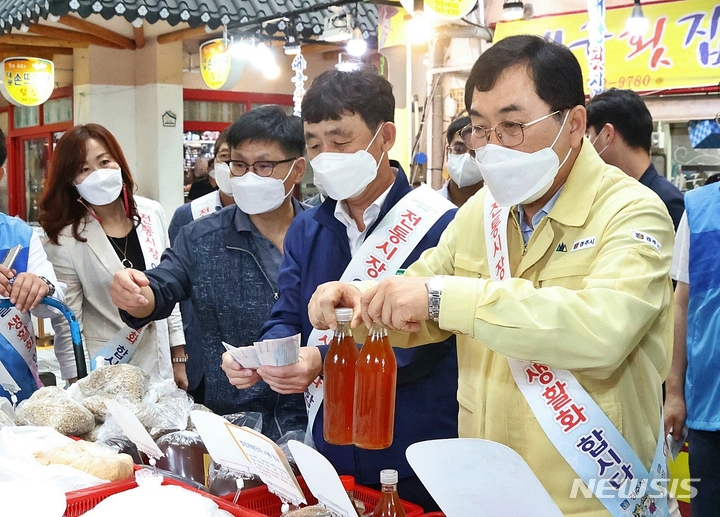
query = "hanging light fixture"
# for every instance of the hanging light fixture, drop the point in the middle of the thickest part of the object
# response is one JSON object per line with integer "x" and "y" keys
{"x": 513, "y": 10}
{"x": 292, "y": 42}
{"x": 357, "y": 46}
{"x": 337, "y": 26}
{"x": 637, "y": 24}
{"x": 264, "y": 59}
{"x": 418, "y": 27}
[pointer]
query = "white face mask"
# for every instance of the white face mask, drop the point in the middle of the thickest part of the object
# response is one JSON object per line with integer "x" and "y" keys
{"x": 515, "y": 177}
{"x": 101, "y": 187}
{"x": 221, "y": 173}
{"x": 346, "y": 175}
{"x": 257, "y": 195}
{"x": 464, "y": 170}
{"x": 595, "y": 140}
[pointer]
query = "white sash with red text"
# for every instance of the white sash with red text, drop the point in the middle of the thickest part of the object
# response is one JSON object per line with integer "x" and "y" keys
{"x": 579, "y": 429}
{"x": 205, "y": 205}
{"x": 16, "y": 328}
{"x": 382, "y": 253}
{"x": 123, "y": 344}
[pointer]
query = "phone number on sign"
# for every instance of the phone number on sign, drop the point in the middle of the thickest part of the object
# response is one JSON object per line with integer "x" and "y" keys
{"x": 632, "y": 81}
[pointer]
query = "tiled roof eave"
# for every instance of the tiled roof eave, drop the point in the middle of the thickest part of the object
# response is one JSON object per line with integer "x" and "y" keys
{"x": 195, "y": 13}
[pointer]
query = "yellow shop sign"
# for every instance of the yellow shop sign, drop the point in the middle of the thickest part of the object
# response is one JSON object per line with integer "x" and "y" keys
{"x": 681, "y": 49}
{"x": 219, "y": 68}
{"x": 27, "y": 81}
{"x": 443, "y": 9}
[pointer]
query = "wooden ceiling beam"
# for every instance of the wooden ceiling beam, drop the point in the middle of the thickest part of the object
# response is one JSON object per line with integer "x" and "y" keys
{"x": 139, "y": 34}
{"x": 69, "y": 36}
{"x": 39, "y": 41}
{"x": 183, "y": 34}
{"x": 97, "y": 31}
{"x": 28, "y": 51}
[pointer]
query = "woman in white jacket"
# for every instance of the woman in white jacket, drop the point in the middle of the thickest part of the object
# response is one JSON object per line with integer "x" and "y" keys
{"x": 95, "y": 227}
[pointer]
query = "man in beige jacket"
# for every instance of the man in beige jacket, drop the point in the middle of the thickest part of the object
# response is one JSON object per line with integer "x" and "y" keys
{"x": 559, "y": 270}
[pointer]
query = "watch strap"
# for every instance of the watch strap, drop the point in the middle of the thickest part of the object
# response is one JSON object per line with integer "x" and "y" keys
{"x": 51, "y": 286}
{"x": 434, "y": 287}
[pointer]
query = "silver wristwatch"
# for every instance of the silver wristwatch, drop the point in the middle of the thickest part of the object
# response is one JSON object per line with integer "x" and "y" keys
{"x": 434, "y": 287}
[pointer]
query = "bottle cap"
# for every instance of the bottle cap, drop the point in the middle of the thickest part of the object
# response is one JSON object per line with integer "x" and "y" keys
{"x": 348, "y": 483}
{"x": 388, "y": 477}
{"x": 343, "y": 314}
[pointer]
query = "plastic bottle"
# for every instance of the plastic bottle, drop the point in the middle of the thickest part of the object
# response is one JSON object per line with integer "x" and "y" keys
{"x": 348, "y": 483}
{"x": 375, "y": 382}
{"x": 389, "y": 504}
{"x": 339, "y": 382}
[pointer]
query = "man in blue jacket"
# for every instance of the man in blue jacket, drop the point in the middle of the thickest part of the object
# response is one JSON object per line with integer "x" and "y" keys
{"x": 349, "y": 130}
{"x": 227, "y": 263}
{"x": 620, "y": 126}
{"x": 185, "y": 214}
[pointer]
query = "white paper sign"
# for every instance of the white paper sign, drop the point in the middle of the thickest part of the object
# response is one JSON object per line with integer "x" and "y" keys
{"x": 268, "y": 462}
{"x": 271, "y": 352}
{"x": 219, "y": 442}
{"x": 322, "y": 479}
{"x": 133, "y": 429}
{"x": 468, "y": 476}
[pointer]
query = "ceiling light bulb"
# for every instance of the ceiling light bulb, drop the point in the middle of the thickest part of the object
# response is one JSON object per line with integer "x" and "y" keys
{"x": 243, "y": 49}
{"x": 418, "y": 28}
{"x": 262, "y": 56}
{"x": 271, "y": 71}
{"x": 512, "y": 10}
{"x": 637, "y": 24}
{"x": 357, "y": 45}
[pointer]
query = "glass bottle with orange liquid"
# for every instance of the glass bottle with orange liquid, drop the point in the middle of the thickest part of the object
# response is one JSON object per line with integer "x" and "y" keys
{"x": 375, "y": 382}
{"x": 389, "y": 504}
{"x": 339, "y": 382}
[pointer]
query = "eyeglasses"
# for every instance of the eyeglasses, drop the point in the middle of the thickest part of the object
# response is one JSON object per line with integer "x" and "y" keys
{"x": 510, "y": 134}
{"x": 457, "y": 148}
{"x": 263, "y": 168}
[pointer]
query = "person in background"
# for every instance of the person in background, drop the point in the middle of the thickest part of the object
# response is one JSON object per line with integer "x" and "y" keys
{"x": 693, "y": 386}
{"x": 554, "y": 279}
{"x": 620, "y": 127}
{"x": 97, "y": 226}
{"x": 186, "y": 213}
{"x": 349, "y": 130}
{"x": 30, "y": 278}
{"x": 203, "y": 184}
{"x": 465, "y": 176}
{"x": 227, "y": 264}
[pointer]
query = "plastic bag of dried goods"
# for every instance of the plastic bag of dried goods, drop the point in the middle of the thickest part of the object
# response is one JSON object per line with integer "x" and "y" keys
{"x": 51, "y": 406}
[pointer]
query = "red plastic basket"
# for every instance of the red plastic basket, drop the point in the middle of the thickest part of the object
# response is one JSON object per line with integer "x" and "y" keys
{"x": 81, "y": 501}
{"x": 258, "y": 502}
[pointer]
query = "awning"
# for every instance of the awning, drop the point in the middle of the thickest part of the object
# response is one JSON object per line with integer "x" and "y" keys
{"x": 211, "y": 13}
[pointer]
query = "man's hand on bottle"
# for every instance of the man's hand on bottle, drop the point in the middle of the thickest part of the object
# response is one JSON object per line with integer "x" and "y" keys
{"x": 397, "y": 303}
{"x": 329, "y": 296}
